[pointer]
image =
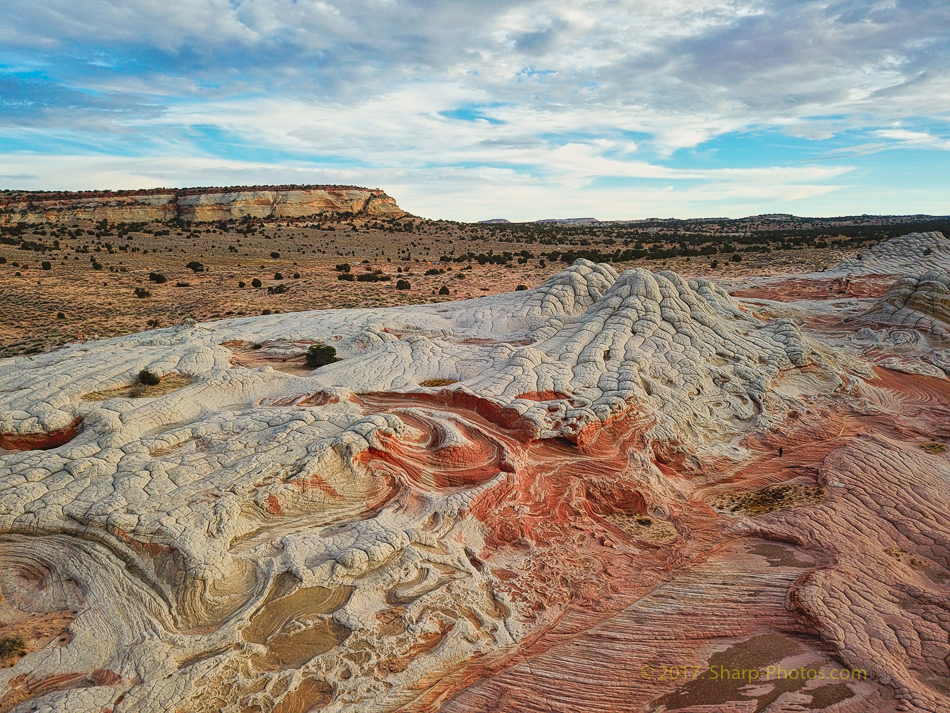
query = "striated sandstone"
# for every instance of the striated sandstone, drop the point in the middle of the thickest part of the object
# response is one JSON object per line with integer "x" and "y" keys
{"x": 513, "y": 503}
{"x": 196, "y": 205}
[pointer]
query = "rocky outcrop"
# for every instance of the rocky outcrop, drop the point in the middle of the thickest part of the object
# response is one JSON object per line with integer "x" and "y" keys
{"x": 915, "y": 252}
{"x": 197, "y": 204}
{"x": 916, "y": 302}
{"x": 544, "y": 500}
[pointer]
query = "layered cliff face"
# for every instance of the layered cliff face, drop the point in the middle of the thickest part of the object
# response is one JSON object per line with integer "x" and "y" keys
{"x": 545, "y": 500}
{"x": 196, "y": 205}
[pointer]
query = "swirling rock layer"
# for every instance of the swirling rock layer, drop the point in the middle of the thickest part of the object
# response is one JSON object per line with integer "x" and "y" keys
{"x": 547, "y": 500}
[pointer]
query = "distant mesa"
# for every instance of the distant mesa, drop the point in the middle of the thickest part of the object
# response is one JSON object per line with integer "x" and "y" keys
{"x": 569, "y": 221}
{"x": 196, "y": 205}
{"x": 555, "y": 221}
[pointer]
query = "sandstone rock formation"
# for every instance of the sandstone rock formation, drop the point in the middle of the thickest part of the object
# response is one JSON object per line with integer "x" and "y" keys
{"x": 545, "y": 500}
{"x": 196, "y": 204}
{"x": 918, "y": 302}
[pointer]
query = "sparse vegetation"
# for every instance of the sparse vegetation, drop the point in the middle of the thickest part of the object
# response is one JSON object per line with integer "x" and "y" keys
{"x": 256, "y": 283}
{"x": 157, "y": 277}
{"x": 11, "y": 646}
{"x": 320, "y": 355}
{"x": 195, "y": 266}
{"x": 403, "y": 285}
{"x": 148, "y": 378}
{"x": 431, "y": 383}
{"x": 141, "y": 292}
{"x": 766, "y": 500}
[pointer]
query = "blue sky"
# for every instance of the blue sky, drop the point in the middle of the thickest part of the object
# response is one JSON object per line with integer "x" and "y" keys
{"x": 525, "y": 110}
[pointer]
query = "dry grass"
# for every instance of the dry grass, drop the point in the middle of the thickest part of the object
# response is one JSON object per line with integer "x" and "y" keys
{"x": 934, "y": 448}
{"x": 141, "y": 391}
{"x": 641, "y": 527}
{"x": 766, "y": 500}
{"x": 431, "y": 383}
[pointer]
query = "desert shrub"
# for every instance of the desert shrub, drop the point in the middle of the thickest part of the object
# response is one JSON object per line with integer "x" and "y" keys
{"x": 443, "y": 290}
{"x": 277, "y": 289}
{"x": 195, "y": 266}
{"x": 141, "y": 292}
{"x": 275, "y": 255}
{"x": 96, "y": 265}
{"x": 256, "y": 283}
{"x": 714, "y": 264}
{"x": 242, "y": 283}
{"x": 296, "y": 275}
{"x": 402, "y": 285}
{"x": 12, "y": 646}
{"x": 736, "y": 257}
{"x": 3, "y": 260}
{"x": 320, "y": 355}
{"x": 60, "y": 315}
{"x": 344, "y": 267}
{"x": 46, "y": 265}
{"x": 278, "y": 276}
{"x": 157, "y": 278}
{"x": 434, "y": 271}
{"x": 459, "y": 275}
{"x": 521, "y": 288}
{"x": 148, "y": 378}
{"x": 345, "y": 276}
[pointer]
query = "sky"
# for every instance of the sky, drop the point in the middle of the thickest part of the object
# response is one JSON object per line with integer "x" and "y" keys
{"x": 612, "y": 109}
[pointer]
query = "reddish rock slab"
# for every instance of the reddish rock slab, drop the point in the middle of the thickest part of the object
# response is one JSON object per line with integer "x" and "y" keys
{"x": 40, "y": 441}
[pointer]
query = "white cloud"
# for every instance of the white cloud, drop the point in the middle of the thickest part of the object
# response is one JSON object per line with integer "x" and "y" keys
{"x": 574, "y": 93}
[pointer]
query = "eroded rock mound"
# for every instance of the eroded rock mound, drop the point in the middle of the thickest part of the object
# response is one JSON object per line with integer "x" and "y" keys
{"x": 473, "y": 489}
{"x": 910, "y": 253}
{"x": 921, "y": 302}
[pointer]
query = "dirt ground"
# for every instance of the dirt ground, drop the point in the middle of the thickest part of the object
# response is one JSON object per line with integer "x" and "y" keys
{"x": 42, "y": 308}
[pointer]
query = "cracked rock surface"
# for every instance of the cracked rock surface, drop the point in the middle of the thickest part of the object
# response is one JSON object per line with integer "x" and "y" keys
{"x": 613, "y": 472}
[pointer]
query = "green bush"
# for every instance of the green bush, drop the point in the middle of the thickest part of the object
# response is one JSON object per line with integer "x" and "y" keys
{"x": 148, "y": 378}
{"x": 320, "y": 355}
